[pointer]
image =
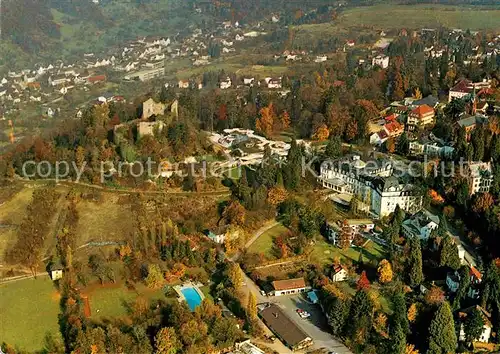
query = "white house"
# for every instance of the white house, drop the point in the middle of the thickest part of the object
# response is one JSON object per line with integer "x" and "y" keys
{"x": 183, "y": 84}
{"x": 248, "y": 81}
{"x": 485, "y": 335}
{"x": 320, "y": 59}
{"x": 289, "y": 287}
{"x": 479, "y": 177}
{"x": 381, "y": 60}
{"x": 339, "y": 273}
{"x": 274, "y": 83}
{"x": 56, "y": 271}
{"x": 420, "y": 225}
{"x": 225, "y": 84}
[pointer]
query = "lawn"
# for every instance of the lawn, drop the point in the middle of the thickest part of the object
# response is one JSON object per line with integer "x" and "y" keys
{"x": 324, "y": 252}
{"x": 264, "y": 244}
{"x": 419, "y": 16}
{"x": 112, "y": 300}
{"x": 29, "y": 310}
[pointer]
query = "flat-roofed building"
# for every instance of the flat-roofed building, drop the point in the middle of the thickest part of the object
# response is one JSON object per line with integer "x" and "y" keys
{"x": 284, "y": 328}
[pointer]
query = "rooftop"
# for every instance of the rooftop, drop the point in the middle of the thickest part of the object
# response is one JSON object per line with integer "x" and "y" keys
{"x": 283, "y": 326}
{"x": 289, "y": 284}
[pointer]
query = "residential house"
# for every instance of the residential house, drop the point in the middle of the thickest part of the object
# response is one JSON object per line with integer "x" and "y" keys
{"x": 429, "y": 101}
{"x": 466, "y": 87}
{"x": 184, "y": 84}
{"x": 145, "y": 75}
{"x": 394, "y": 129}
{"x": 379, "y": 137}
{"x": 420, "y": 225}
{"x": 289, "y": 287}
{"x": 284, "y": 328}
{"x": 96, "y": 79}
{"x": 479, "y": 176}
{"x": 339, "y": 273}
{"x": 469, "y": 123}
{"x": 274, "y": 83}
{"x": 225, "y": 84}
{"x": 320, "y": 58}
{"x": 453, "y": 281}
{"x": 420, "y": 117}
{"x": 486, "y": 333}
{"x": 475, "y": 283}
{"x": 248, "y": 81}
{"x": 58, "y": 80}
{"x": 381, "y": 60}
{"x": 56, "y": 271}
{"x": 151, "y": 108}
{"x": 431, "y": 149}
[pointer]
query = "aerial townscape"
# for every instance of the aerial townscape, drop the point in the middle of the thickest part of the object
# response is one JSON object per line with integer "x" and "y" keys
{"x": 249, "y": 177}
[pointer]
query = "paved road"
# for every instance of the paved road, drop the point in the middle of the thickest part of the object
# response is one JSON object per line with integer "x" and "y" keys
{"x": 316, "y": 327}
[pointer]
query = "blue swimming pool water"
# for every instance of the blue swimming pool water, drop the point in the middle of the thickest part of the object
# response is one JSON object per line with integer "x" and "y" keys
{"x": 192, "y": 297}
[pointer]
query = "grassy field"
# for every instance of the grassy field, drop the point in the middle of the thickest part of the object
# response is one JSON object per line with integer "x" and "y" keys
{"x": 418, "y": 16}
{"x": 264, "y": 244}
{"x": 29, "y": 310}
{"x": 324, "y": 252}
{"x": 103, "y": 221}
{"x": 111, "y": 300}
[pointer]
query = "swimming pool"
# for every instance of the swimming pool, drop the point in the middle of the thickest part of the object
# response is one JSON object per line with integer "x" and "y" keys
{"x": 192, "y": 297}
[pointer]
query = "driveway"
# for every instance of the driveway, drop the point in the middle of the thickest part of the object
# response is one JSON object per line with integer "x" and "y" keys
{"x": 315, "y": 326}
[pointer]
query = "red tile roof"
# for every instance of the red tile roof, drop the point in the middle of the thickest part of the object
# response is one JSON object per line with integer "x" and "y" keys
{"x": 423, "y": 110}
{"x": 393, "y": 127}
{"x": 97, "y": 78}
{"x": 391, "y": 117}
{"x": 476, "y": 273}
{"x": 337, "y": 268}
{"x": 289, "y": 284}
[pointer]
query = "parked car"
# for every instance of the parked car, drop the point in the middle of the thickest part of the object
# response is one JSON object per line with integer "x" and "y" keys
{"x": 303, "y": 314}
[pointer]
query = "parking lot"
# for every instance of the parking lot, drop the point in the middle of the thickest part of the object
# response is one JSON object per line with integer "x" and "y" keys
{"x": 315, "y": 326}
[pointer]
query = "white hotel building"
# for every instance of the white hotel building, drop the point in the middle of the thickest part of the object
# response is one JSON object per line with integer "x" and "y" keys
{"x": 371, "y": 181}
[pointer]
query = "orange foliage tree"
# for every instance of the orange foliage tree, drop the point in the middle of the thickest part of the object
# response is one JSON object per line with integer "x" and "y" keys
{"x": 265, "y": 123}
{"x": 322, "y": 133}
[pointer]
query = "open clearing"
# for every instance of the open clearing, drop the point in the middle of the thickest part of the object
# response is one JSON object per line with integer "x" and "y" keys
{"x": 324, "y": 252}
{"x": 107, "y": 220}
{"x": 29, "y": 311}
{"x": 264, "y": 244}
{"x": 418, "y": 16}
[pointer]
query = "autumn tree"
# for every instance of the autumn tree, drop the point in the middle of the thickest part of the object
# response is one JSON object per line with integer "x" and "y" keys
{"x": 234, "y": 213}
{"x": 155, "y": 277}
{"x": 235, "y": 275}
{"x": 483, "y": 202}
{"x": 434, "y": 296}
{"x": 285, "y": 120}
{"x": 276, "y": 195}
{"x": 410, "y": 349}
{"x": 384, "y": 271}
{"x": 322, "y": 133}
{"x": 390, "y": 145}
{"x": 412, "y": 313}
{"x": 167, "y": 342}
{"x": 265, "y": 122}
{"x": 363, "y": 282}
{"x": 252, "y": 306}
{"x": 345, "y": 236}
